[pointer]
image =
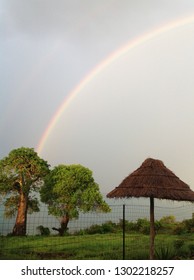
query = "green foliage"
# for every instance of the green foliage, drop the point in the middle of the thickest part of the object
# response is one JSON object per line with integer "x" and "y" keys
{"x": 21, "y": 171}
{"x": 44, "y": 231}
{"x": 129, "y": 226}
{"x": 165, "y": 252}
{"x": 21, "y": 167}
{"x": 94, "y": 229}
{"x": 167, "y": 224}
{"x": 84, "y": 247}
{"x": 11, "y": 204}
{"x": 191, "y": 248}
{"x": 167, "y": 220}
{"x": 143, "y": 226}
{"x": 21, "y": 175}
{"x": 33, "y": 205}
{"x": 69, "y": 189}
{"x": 186, "y": 226}
{"x": 189, "y": 224}
{"x": 108, "y": 227}
{"x": 179, "y": 229}
{"x": 178, "y": 243}
{"x": 157, "y": 225}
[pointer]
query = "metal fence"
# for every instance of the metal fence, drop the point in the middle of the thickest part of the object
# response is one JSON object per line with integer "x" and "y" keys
{"x": 120, "y": 212}
{"x": 132, "y": 213}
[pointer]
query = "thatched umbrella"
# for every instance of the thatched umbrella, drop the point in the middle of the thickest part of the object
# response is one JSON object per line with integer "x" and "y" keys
{"x": 154, "y": 180}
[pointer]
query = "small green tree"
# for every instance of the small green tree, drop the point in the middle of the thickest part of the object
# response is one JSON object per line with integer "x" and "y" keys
{"x": 69, "y": 189}
{"x": 21, "y": 175}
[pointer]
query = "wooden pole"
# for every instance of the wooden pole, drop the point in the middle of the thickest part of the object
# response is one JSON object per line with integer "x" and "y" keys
{"x": 152, "y": 229}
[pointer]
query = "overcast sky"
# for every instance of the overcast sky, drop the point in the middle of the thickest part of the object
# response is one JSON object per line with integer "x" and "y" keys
{"x": 139, "y": 106}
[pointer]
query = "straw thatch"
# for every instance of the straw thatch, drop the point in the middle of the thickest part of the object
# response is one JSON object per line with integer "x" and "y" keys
{"x": 153, "y": 179}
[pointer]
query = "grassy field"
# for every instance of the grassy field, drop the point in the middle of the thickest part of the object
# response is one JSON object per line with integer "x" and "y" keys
{"x": 97, "y": 246}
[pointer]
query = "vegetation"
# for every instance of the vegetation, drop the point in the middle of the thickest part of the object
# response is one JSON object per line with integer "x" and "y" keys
{"x": 101, "y": 242}
{"x": 45, "y": 231}
{"x": 66, "y": 190}
{"x": 99, "y": 246}
{"x": 21, "y": 175}
{"x": 69, "y": 189}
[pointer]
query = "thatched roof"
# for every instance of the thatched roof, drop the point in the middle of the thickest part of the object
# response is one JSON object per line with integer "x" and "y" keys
{"x": 153, "y": 179}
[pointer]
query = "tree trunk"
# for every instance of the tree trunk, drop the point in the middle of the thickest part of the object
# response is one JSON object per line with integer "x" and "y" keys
{"x": 64, "y": 223}
{"x": 21, "y": 219}
{"x": 152, "y": 229}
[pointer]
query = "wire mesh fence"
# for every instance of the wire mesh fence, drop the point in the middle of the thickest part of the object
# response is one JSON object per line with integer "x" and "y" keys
{"x": 93, "y": 235}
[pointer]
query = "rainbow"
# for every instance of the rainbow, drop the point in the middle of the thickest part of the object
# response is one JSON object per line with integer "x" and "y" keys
{"x": 102, "y": 65}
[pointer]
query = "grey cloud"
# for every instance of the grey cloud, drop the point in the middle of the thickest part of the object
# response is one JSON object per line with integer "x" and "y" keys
{"x": 40, "y": 17}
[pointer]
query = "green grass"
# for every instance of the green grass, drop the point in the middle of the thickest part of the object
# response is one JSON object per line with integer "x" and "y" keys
{"x": 97, "y": 246}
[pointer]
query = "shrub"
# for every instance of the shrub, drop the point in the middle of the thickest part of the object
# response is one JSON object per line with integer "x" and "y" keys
{"x": 180, "y": 229}
{"x": 191, "y": 248}
{"x": 44, "y": 231}
{"x": 157, "y": 225}
{"x": 94, "y": 229}
{"x": 192, "y": 230}
{"x": 109, "y": 227}
{"x": 165, "y": 252}
{"x": 167, "y": 223}
{"x": 189, "y": 224}
{"x": 168, "y": 220}
{"x": 143, "y": 226}
{"x": 186, "y": 226}
{"x": 178, "y": 243}
{"x": 80, "y": 232}
{"x": 10, "y": 234}
{"x": 129, "y": 226}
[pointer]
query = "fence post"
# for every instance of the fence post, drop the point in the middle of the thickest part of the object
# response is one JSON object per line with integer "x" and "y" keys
{"x": 123, "y": 231}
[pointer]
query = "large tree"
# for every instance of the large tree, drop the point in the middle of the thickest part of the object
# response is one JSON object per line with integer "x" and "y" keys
{"x": 21, "y": 175}
{"x": 69, "y": 189}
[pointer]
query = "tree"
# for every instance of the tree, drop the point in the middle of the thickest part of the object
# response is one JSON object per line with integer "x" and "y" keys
{"x": 69, "y": 189}
{"x": 21, "y": 175}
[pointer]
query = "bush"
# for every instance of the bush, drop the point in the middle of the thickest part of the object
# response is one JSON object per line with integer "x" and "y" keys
{"x": 168, "y": 220}
{"x": 189, "y": 224}
{"x": 94, "y": 229}
{"x": 10, "y": 234}
{"x": 192, "y": 230}
{"x": 109, "y": 227}
{"x": 80, "y": 232}
{"x": 129, "y": 226}
{"x": 179, "y": 229}
{"x": 167, "y": 223}
{"x": 157, "y": 225}
{"x": 178, "y": 243}
{"x": 191, "y": 248}
{"x": 143, "y": 226}
{"x": 186, "y": 226}
{"x": 165, "y": 252}
{"x": 44, "y": 231}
